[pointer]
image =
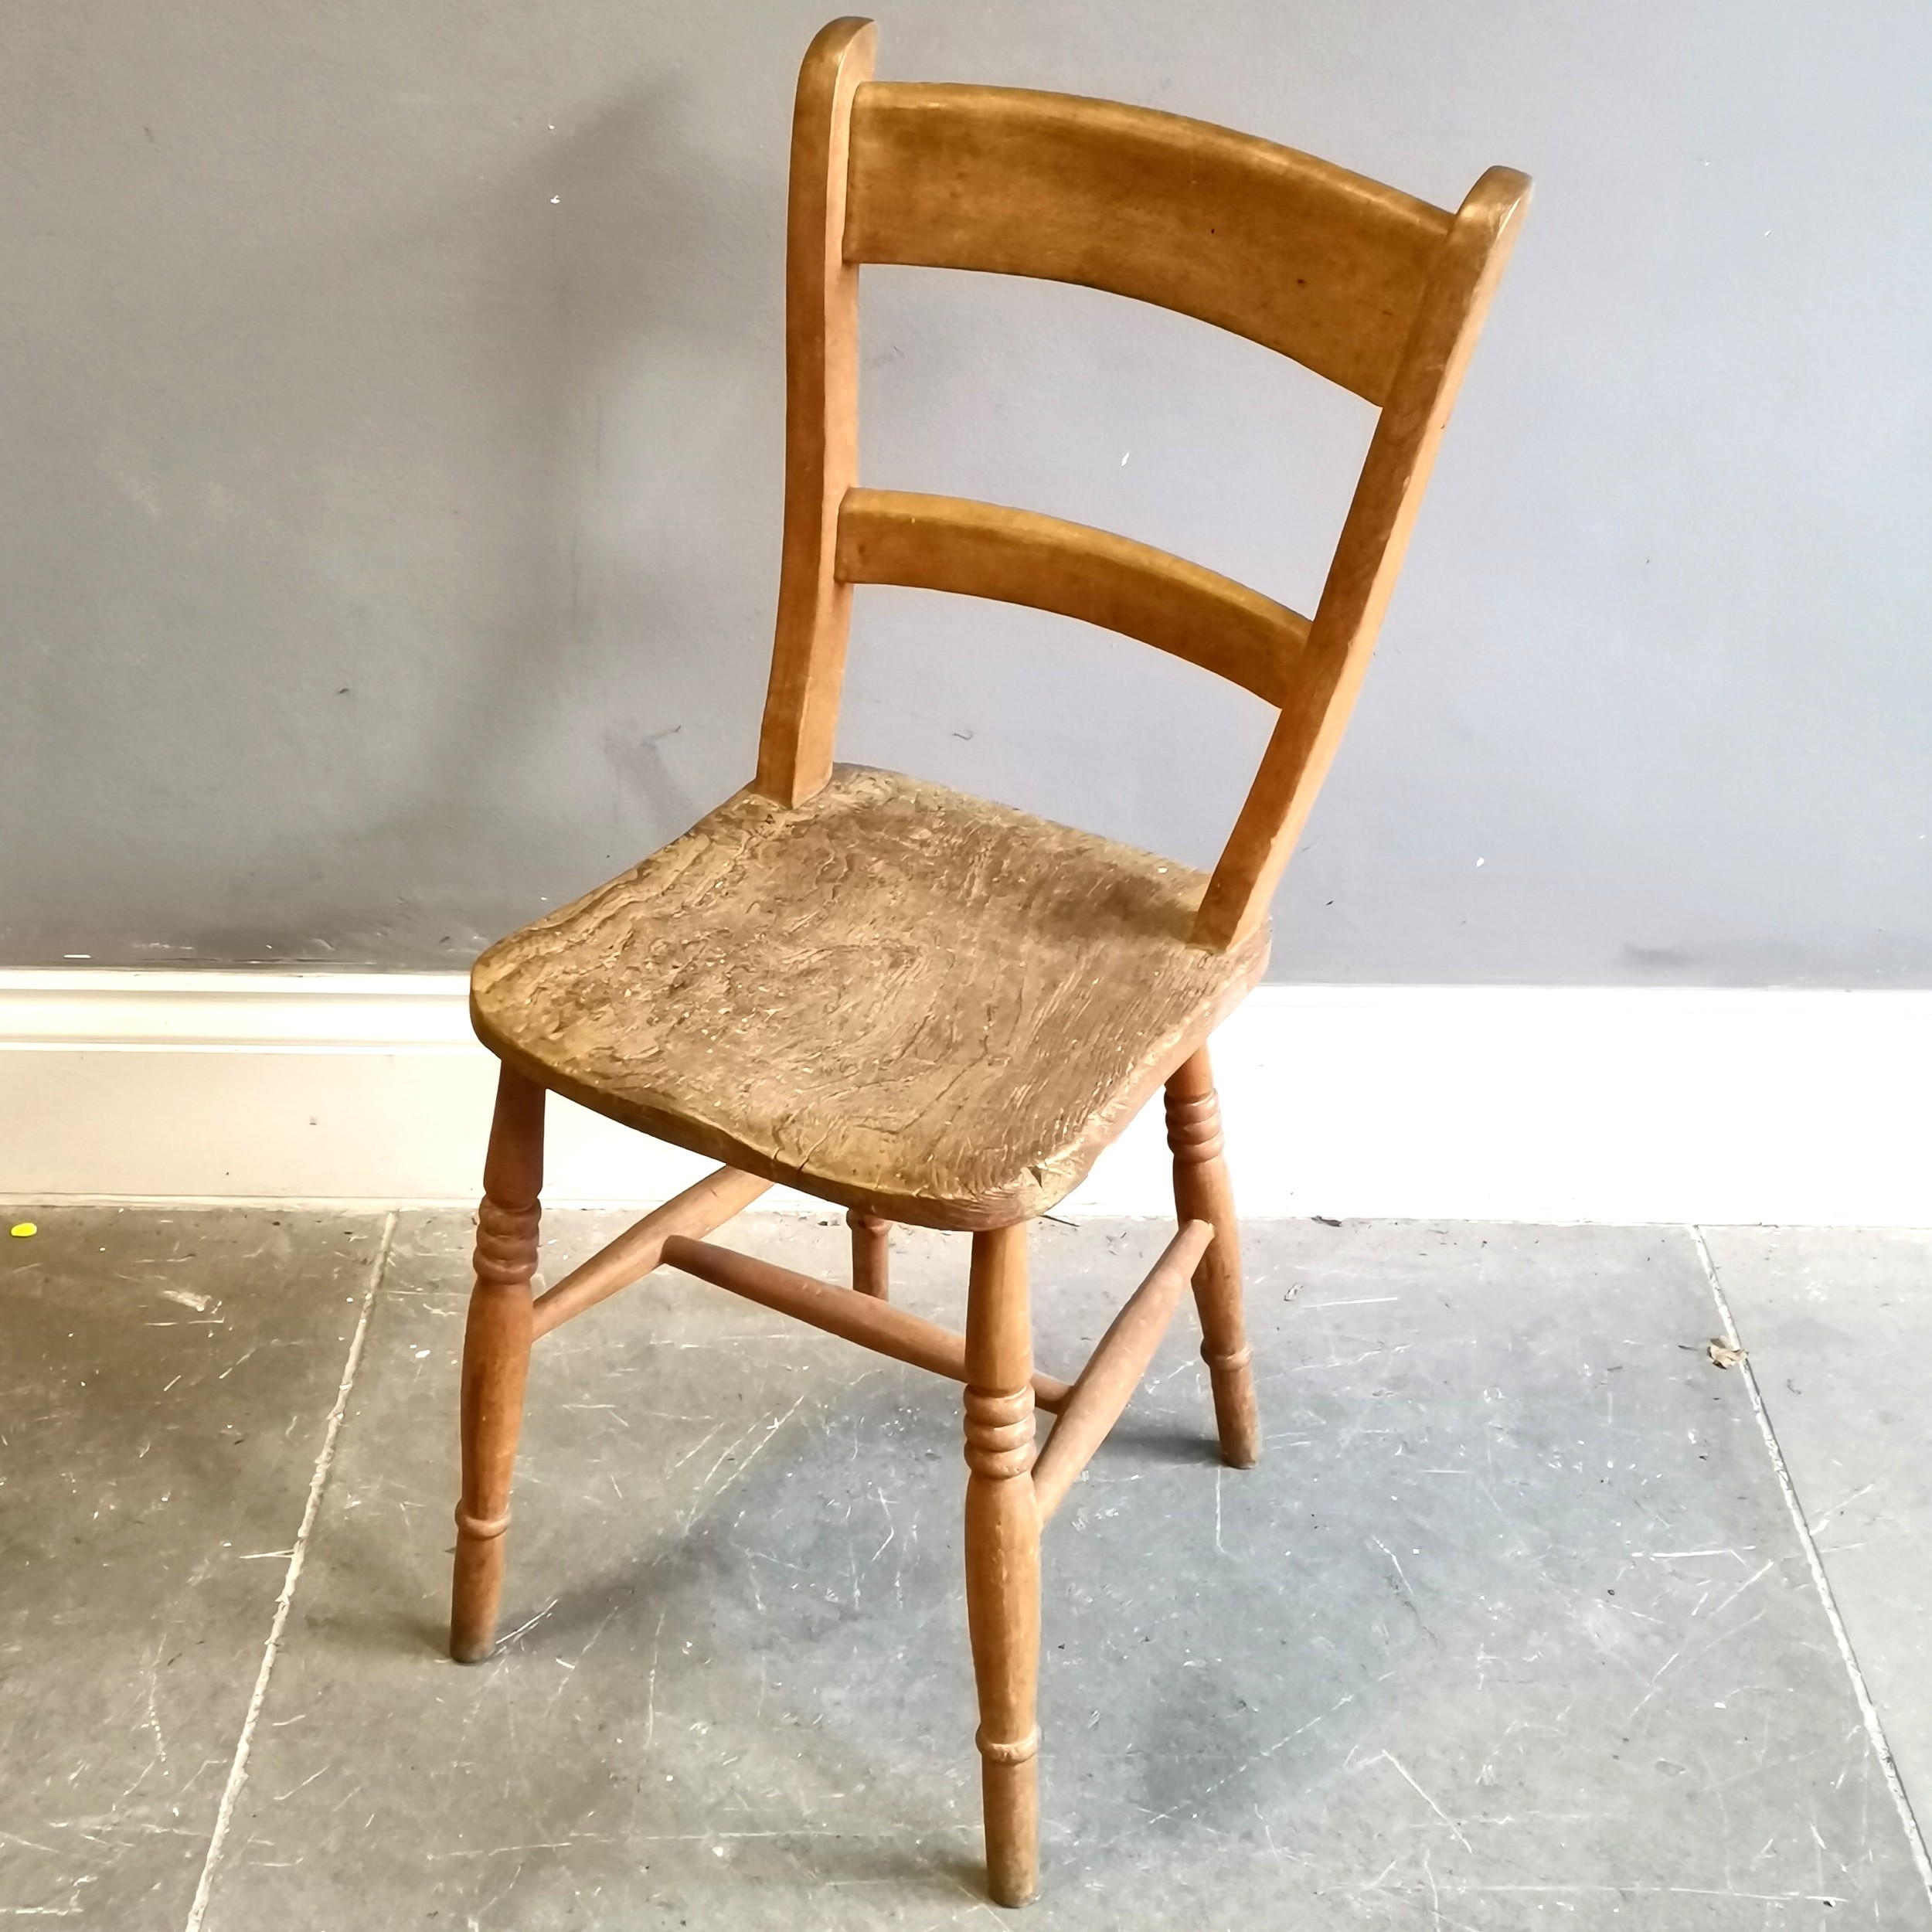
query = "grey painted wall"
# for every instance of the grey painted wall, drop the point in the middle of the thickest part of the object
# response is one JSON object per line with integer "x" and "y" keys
{"x": 390, "y": 399}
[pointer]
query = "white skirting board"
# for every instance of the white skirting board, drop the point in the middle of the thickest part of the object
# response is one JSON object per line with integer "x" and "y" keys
{"x": 1527, "y": 1104}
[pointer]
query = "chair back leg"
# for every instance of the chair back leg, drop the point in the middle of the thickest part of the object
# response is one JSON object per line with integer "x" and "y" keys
{"x": 496, "y": 1359}
{"x": 871, "y": 1248}
{"x": 1202, "y": 1192}
{"x": 1003, "y": 1558}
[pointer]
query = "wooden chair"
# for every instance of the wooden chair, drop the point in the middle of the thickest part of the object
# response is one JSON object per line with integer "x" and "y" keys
{"x": 924, "y": 1007}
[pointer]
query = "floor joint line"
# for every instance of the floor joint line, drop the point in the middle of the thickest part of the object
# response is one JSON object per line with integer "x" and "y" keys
{"x": 324, "y": 1461}
{"x": 1874, "y": 1729}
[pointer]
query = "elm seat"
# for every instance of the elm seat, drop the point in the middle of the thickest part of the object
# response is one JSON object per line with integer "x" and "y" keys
{"x": 909, "y": 1000}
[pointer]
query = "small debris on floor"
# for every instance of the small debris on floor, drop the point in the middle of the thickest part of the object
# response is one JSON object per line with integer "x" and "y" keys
{"x": 1325, "y": 1220}
{"x": 1726, "y": 1355}
{"x": 21, "y": 1229}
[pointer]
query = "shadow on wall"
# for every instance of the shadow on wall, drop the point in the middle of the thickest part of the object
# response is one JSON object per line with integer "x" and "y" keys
{"x": 380, "y": 551}
{"x": 596, "y": 639}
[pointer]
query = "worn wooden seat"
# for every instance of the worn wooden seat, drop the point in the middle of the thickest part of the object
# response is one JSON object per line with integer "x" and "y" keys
{"x": 921, "y": 1006}
{"x": 904, "y": 999}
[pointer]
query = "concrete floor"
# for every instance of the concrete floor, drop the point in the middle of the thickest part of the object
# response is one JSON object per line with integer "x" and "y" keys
{"x": 1515, "y": 1626}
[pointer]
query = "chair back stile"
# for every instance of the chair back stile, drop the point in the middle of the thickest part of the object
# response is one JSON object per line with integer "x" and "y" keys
{"x": 1364, "y": 285}
{"x": 1367, "y": 557}
{"x": 821, "y": 421}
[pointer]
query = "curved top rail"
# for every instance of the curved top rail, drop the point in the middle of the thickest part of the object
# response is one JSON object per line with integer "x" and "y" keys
{"x": 1306, "y": 258}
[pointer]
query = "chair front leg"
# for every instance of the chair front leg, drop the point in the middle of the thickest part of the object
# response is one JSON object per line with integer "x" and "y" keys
{"x": 1202, "y": 1192}
{"x": 1003, "y": 1559}
{"x": 496, "y": 1359}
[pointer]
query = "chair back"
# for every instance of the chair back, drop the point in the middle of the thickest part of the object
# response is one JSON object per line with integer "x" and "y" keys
{"x": 1366, "y": 286}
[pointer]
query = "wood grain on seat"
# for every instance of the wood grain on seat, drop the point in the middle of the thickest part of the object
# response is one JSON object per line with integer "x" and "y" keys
{"x": 908, "y": 1000}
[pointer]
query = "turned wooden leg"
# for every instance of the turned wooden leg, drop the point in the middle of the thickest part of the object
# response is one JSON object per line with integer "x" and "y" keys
{"x": 871, "y": 1242}
{"x": 1003, "y": 1558}
{"x": 1202, "y": 1193}
{"x": 496, "y": 1358}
